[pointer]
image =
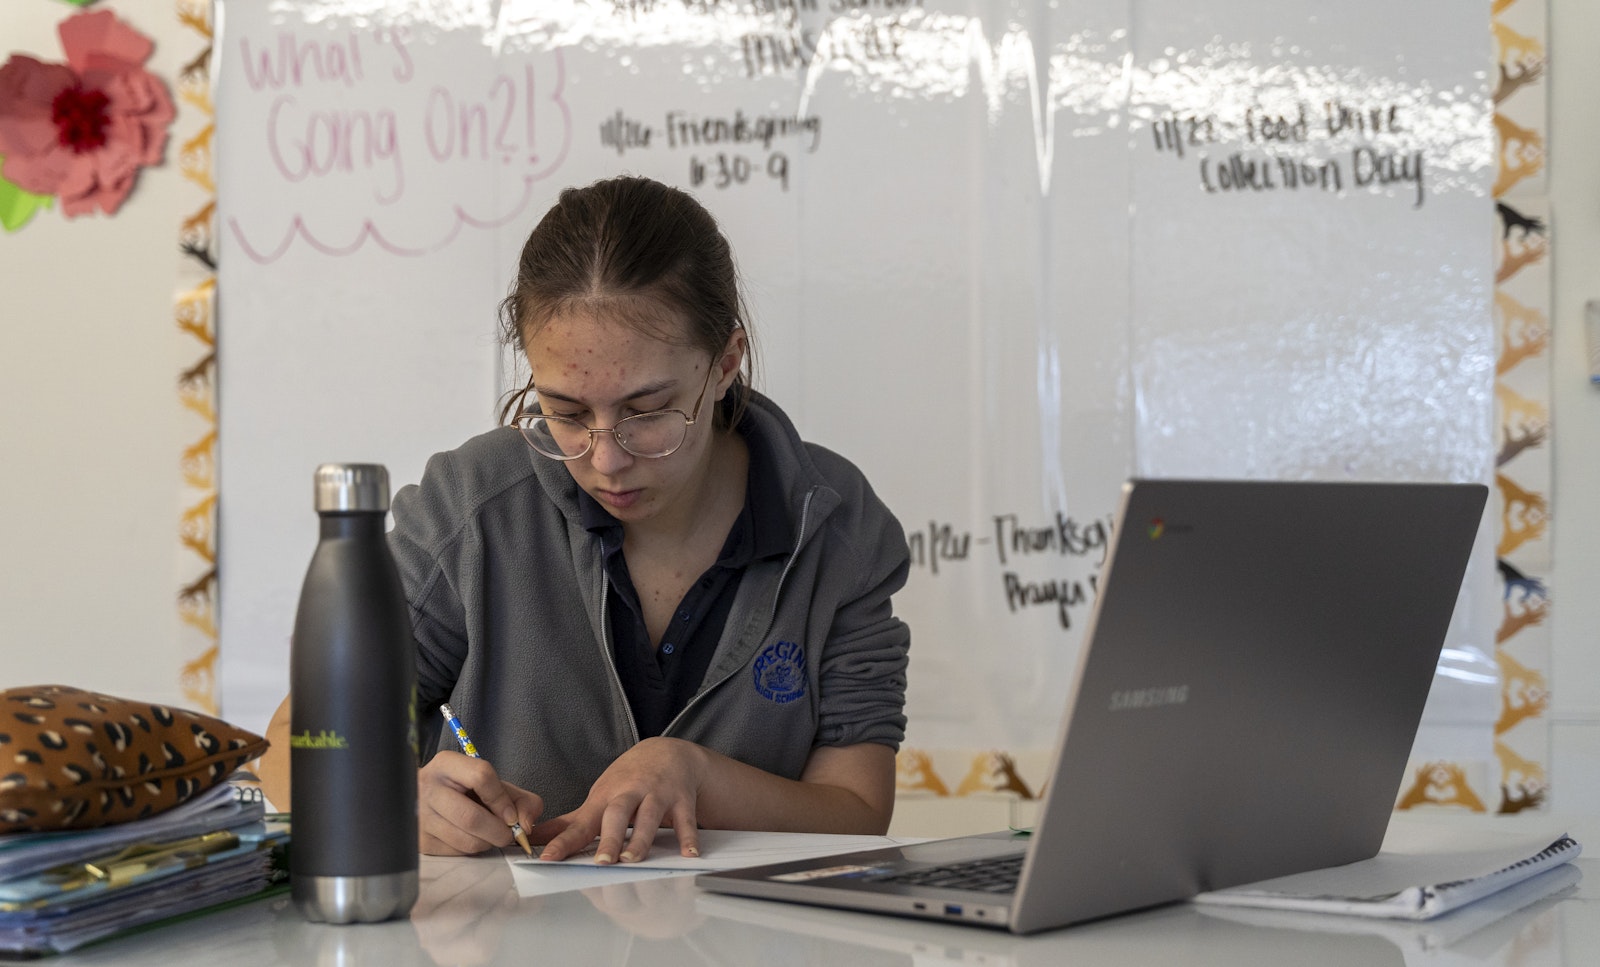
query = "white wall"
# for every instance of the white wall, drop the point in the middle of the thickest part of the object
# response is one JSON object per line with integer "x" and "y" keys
{"x": 1575, "y": 423}
{"x": 91, "y": 429}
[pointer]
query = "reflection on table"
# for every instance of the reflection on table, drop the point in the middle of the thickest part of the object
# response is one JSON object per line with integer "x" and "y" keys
{"x": 469, "y": 913}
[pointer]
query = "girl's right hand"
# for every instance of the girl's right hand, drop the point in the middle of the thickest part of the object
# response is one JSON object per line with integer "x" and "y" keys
{"x": 463, "y": 807}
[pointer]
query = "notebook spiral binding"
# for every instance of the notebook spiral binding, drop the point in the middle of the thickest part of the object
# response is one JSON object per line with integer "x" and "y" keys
{"x": 1560, "y": 846}
{"x": 246, "y": 787}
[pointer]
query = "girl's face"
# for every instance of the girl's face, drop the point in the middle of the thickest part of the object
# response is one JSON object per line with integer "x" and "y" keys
{"x": 589, "y": 368}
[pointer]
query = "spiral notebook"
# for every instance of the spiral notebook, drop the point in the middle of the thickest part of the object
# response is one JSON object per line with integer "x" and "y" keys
{"x": 1410, "y": 880}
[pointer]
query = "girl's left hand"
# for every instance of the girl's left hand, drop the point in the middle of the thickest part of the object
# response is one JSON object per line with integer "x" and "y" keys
{"x": 655, "y": 784}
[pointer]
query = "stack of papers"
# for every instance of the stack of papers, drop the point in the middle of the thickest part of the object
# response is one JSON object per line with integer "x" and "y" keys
{"x": 59, "y": 891}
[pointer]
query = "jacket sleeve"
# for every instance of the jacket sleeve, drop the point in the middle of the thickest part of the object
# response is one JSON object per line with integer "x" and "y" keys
{"x": 863, "y": 670}
{"x": 425, "y": 541}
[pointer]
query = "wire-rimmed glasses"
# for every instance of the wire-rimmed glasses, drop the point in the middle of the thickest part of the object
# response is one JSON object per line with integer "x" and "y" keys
{"x": 658, "y": 433}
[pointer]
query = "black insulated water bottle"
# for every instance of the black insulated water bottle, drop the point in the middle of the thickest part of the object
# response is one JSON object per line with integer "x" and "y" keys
{"x": 353, "y": 736}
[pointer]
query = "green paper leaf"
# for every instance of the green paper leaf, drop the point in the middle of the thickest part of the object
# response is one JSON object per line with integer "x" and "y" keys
{"x": 18, "y": 206}
{"x": 79, "y": 3}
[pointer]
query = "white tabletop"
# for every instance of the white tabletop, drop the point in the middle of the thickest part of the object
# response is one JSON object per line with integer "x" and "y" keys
{"x": 470, "y": 913}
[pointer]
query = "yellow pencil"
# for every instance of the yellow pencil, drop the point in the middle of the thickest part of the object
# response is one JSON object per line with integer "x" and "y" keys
{"x": 465, "y": 741}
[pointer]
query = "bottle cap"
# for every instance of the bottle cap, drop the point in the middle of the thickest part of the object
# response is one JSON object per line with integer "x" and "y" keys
{"x": 352, "y": 487}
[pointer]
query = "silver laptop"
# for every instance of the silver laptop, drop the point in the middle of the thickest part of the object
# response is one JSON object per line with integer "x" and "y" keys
{"x": 1248, "y": 691}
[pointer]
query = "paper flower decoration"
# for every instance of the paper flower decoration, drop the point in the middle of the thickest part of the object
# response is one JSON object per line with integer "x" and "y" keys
{"x": 83, "y": 129}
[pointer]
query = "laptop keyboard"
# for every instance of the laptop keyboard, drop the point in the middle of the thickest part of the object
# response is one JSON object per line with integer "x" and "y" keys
{"x": 997, "y": 874}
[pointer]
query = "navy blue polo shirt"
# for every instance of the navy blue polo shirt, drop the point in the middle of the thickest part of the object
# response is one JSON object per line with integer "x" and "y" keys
{"x": 660, "y": 681}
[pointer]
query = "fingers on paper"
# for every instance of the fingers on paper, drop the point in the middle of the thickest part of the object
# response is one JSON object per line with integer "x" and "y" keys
{"x": 650, "y": 818}
{"x": 622, "y": 831}
{"x": 615, "y": 843}
{"x": 564, "y": 836}
{"x": 688, "y": 830}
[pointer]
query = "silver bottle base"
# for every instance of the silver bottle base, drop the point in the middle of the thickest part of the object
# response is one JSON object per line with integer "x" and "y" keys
{"x": 354, "y": 899}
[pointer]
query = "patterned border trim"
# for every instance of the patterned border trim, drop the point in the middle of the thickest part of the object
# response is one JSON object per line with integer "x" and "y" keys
{"x": 1524, "y": 464}
{"x": 1523, "y": 472}
{"x": 982, "y": 771}
{"x": 194, "y": 308}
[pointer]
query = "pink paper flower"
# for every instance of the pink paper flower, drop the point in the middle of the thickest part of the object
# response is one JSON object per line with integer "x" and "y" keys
{"x": 83, "y": 129}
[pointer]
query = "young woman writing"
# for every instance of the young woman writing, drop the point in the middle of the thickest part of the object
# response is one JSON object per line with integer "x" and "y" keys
{"x": 654, "y": 604}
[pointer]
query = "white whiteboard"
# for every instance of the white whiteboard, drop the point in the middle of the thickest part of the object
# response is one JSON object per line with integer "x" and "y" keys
{"x": 1001, "y": 257}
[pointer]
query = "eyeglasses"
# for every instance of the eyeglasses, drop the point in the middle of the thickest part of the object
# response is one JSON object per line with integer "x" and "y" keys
{"x": 658, "y": 433}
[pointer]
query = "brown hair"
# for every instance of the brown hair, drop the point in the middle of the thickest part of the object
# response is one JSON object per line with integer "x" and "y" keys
{"x": 633, "y": 247}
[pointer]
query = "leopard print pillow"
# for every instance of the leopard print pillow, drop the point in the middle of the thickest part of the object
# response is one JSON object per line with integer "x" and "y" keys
{"x": 73, "y": 759}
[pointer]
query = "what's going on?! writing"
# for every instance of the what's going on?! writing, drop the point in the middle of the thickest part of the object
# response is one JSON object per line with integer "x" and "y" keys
{"x": 342, "y": 106}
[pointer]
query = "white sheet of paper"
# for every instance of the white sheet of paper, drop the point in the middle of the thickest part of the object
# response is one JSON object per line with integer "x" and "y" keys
{"x": 535, "y": 879}
{"x": 719, "y": 850}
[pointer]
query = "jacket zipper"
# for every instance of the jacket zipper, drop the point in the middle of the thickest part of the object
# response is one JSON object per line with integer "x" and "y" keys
{"x": 794, "y": 555}
{"x": 611, "y": 661}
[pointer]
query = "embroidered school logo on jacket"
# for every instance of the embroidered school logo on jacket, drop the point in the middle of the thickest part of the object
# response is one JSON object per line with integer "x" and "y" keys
{"x": 780, "y": 672}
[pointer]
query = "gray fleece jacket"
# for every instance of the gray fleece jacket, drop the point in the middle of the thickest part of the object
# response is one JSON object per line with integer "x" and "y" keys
{"x": 508, "y": 605}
